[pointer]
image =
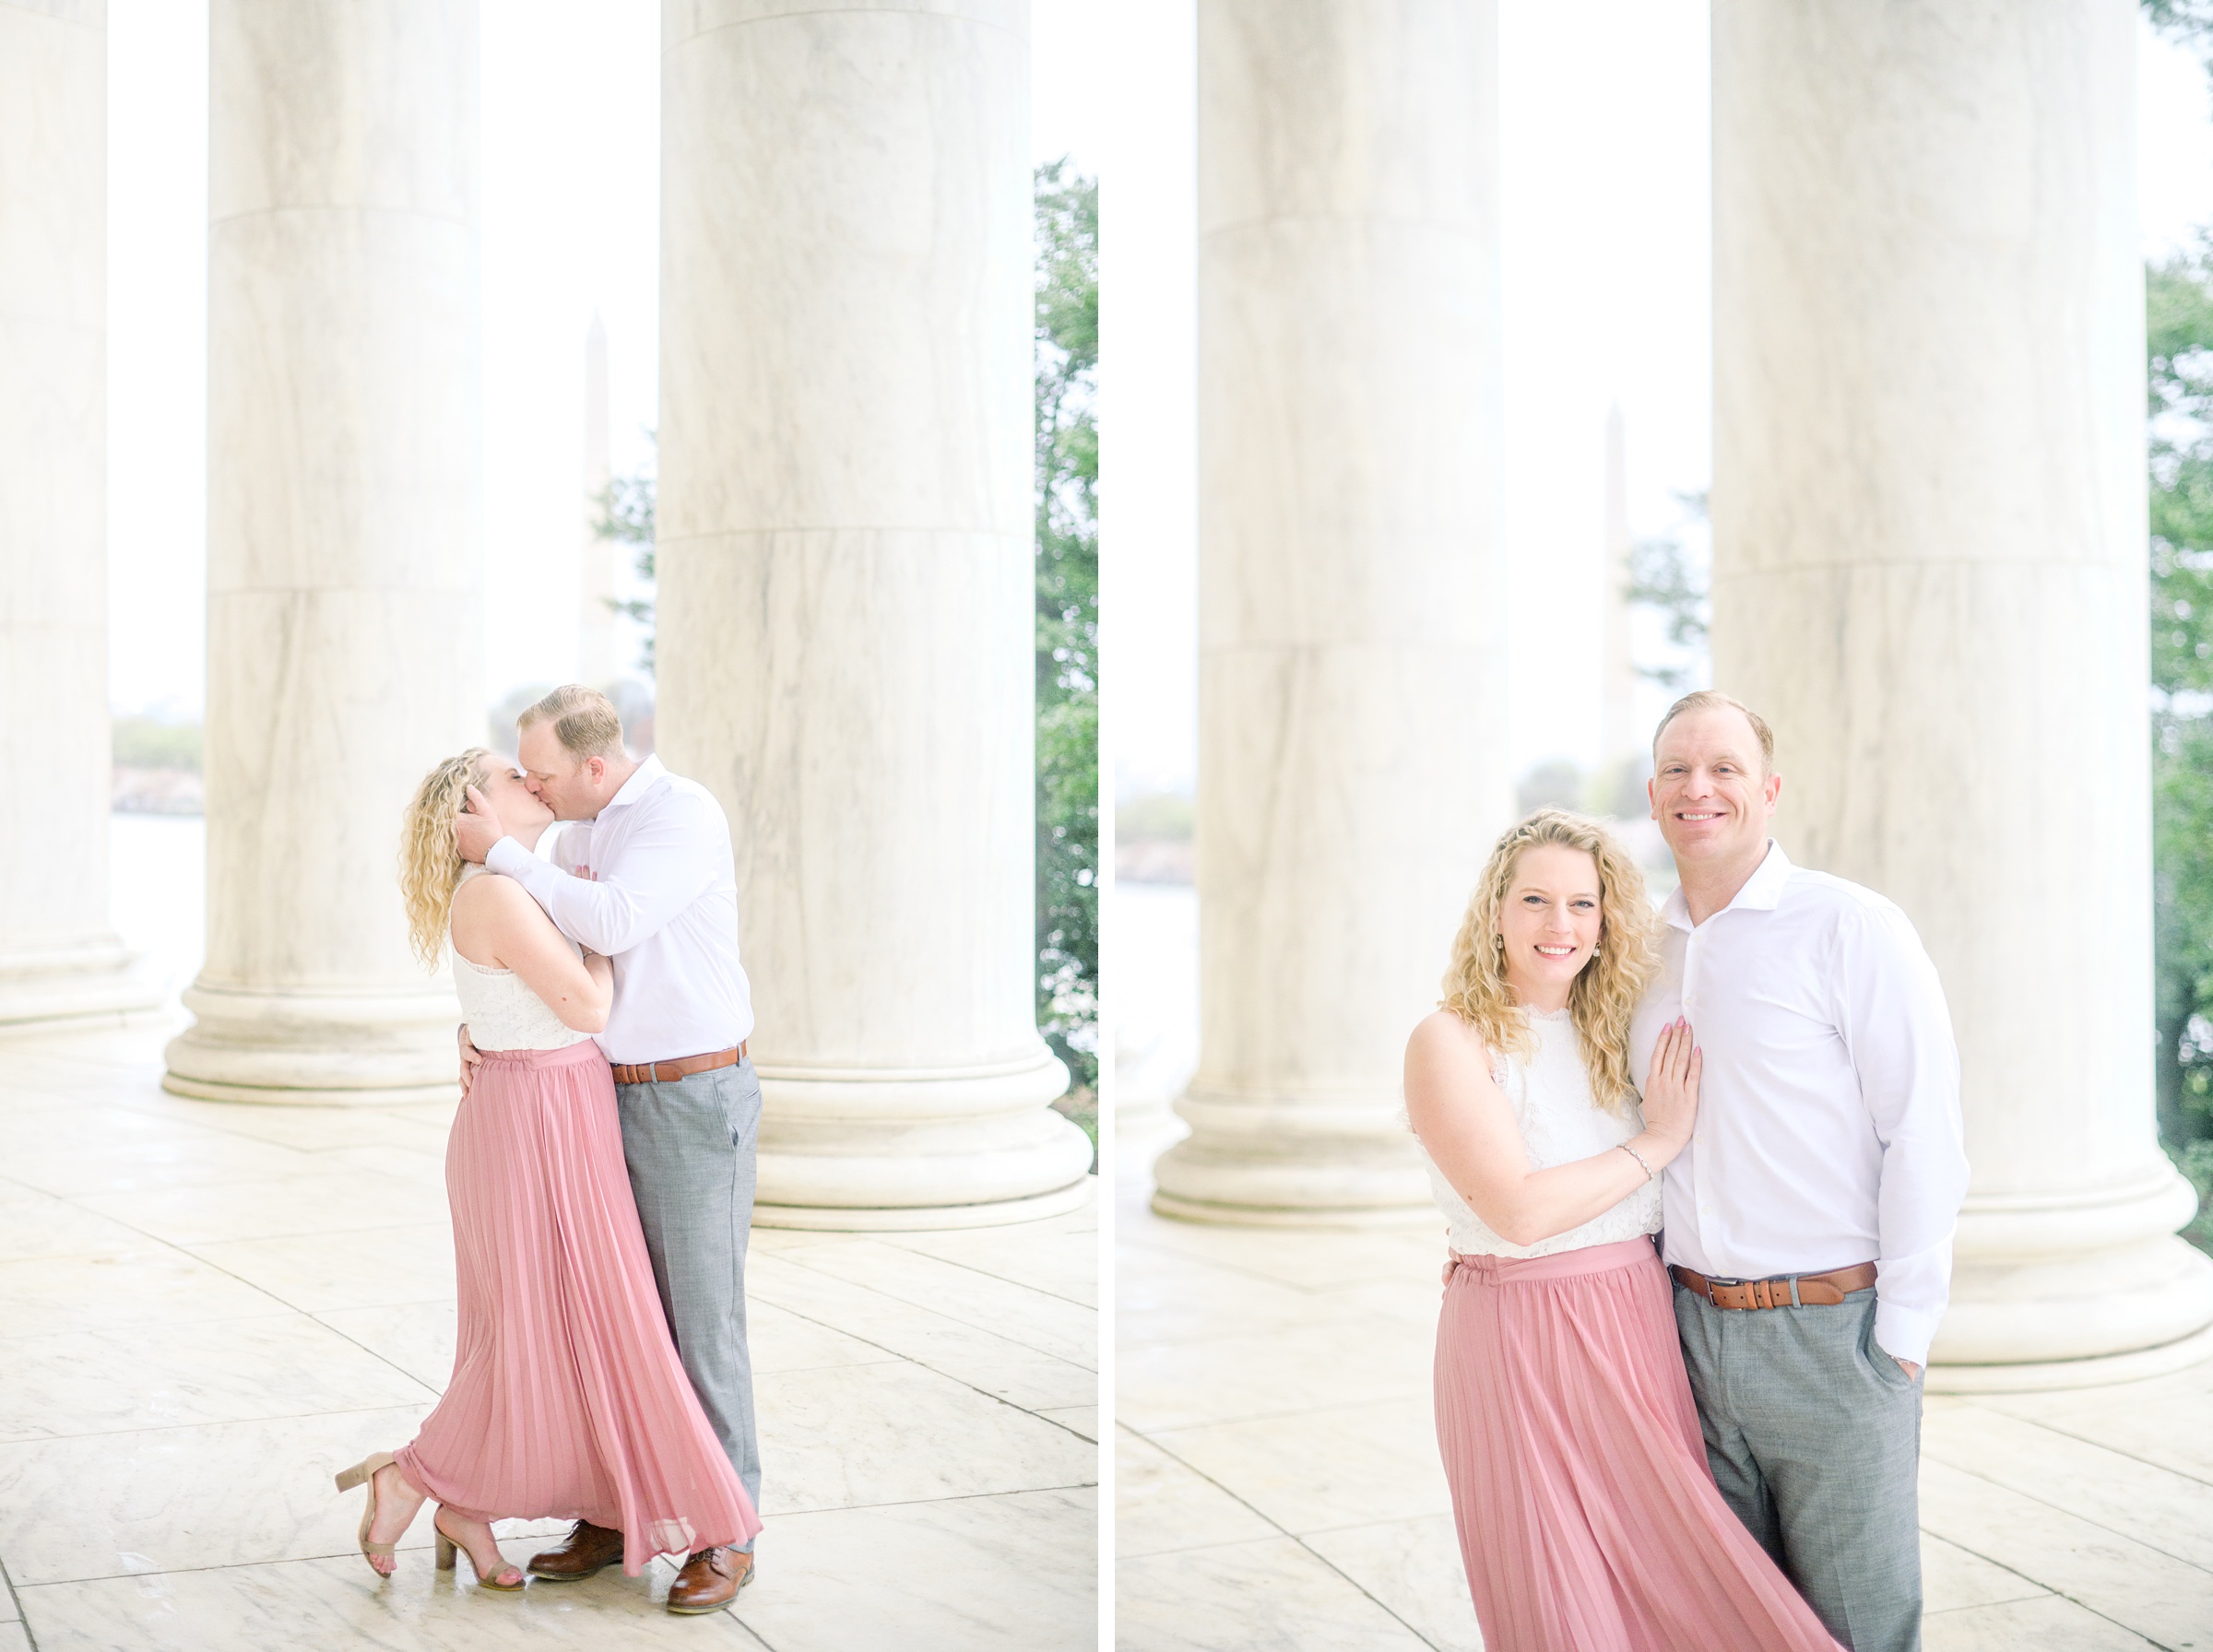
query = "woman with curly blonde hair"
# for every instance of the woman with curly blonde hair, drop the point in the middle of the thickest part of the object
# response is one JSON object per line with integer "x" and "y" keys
{"x": 1588, "y": 1516}
{"x": 567, "y": 1398}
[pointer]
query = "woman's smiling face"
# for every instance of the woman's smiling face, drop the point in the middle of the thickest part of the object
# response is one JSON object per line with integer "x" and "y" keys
{"x": 1551, "y": 917}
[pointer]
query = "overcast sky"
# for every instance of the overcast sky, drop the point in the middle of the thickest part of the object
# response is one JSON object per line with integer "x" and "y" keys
{"x": 1604, "y": 265}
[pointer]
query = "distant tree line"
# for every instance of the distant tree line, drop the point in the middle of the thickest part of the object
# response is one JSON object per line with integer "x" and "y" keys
{"x": 151, "y": 743}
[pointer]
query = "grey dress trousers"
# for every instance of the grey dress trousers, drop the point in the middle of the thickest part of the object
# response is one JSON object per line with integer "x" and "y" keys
{"x": 1813, "y": 1435}
{"x": 690, "y": 1145}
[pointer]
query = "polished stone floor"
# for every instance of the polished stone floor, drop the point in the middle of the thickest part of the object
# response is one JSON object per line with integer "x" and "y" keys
{"x": 207, "y": 1309}
{"x": 1279, "y": 1485}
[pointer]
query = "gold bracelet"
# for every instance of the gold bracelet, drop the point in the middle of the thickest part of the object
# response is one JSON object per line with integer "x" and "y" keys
{"x": 1625, "y": 1147}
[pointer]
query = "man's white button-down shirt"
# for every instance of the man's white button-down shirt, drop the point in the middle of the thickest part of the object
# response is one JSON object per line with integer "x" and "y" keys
{"x": 1828, "y": 1108}
{"x": 662, "y": 903}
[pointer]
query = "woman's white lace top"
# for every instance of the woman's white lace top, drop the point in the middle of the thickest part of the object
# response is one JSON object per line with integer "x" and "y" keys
{"x": 1560, "y": 1122}
{"x": 501, "y": 1013}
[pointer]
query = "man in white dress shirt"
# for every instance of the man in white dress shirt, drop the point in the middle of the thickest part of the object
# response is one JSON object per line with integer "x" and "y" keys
{"x": 1808, "y": 1223}
{"x": 658, "y": 894}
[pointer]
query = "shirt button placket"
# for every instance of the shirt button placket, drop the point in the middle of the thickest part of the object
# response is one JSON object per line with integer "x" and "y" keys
{"x": 1689, "y": 1000}
{"x": 1692, "y": 953}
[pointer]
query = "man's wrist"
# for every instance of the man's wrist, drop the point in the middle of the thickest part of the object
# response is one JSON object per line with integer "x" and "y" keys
{"x": 1904, "y": 1333}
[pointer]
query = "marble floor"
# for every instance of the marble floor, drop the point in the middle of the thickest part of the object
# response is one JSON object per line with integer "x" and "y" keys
{"x": 1278, "y": 1484}
{"x": 207, "y": 1309}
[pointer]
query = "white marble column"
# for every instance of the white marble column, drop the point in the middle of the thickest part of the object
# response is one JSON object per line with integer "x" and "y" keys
{"x": 1929, "y": 573}
{"x": 344, "y": 534}
{"x": 1351, "y": 758}
{"x": 59, "y": 960}
{"x": 847, "y": 584}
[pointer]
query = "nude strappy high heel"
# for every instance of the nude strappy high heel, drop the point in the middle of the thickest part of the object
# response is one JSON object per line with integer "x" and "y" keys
{"x": 446, "y": 1547}
{"x": 364, "y": 1473}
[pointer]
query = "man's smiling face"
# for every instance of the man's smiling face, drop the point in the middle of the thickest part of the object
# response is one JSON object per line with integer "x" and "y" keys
{"x": 1710, "y": 790}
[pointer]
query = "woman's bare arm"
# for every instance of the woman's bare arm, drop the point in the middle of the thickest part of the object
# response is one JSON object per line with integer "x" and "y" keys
{"x": 496, "y": 924}
{"x": 1467, "y": 1125}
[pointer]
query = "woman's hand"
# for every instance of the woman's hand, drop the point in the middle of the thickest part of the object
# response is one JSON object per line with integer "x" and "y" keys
{"x": 1671, "y": 1089}
{"x": 471, "y": 1058}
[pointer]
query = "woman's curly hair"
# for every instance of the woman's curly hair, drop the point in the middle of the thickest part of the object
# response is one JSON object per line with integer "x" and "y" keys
{"x": 429, "y": 856}
{"x": 1603, "y": 997}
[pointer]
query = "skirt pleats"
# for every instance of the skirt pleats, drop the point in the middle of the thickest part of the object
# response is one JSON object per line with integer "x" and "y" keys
{"x": 567, "y": 1399}
{"x": 1588, "y": 1519}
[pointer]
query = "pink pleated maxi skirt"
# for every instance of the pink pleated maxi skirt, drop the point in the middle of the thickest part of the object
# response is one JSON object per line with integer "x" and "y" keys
{"x": 567, "y": 1399}
{"x": 1589, "y": 1520}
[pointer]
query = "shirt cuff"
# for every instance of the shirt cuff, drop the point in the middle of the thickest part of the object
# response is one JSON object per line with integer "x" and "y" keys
{"x": 1905, "y": 1333}
{"x": 511, "y": 854}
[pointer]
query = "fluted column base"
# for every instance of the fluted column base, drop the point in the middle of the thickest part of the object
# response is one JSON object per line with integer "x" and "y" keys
{"x": 2045, "y": 1376}
{"x": 87, "y": 981}
{"x": 335, "y": 1048}
{"x": 2071, "y": 1289}
{"x": 886, "y": 1149}
{"x": 1275, "y": 1162}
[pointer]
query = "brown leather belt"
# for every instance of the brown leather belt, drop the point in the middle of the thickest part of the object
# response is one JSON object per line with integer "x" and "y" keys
{"x": 1804, "y": 1290}
{"x": 668, "y": 1072}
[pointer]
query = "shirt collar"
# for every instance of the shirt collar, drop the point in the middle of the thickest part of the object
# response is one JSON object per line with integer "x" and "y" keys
{"x": 1762, "y": 892}
{"x": 648, "y": 776}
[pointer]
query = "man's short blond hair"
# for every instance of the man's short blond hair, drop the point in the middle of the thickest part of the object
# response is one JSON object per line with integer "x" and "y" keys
{"x": 584, "y": 721}
{"x": 1713, "y": 699}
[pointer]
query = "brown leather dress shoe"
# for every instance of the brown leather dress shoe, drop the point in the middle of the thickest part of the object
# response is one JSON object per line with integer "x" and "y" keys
{"x": 587, "y": 1549}
{"x": 710, "y": 1581}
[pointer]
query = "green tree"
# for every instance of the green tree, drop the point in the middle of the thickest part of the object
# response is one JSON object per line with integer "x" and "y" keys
{"x": 2178, "y": 344}
{"x": 626, "y": 507}
{"x": 2186, "y": 22}
{"x": 1067, "y": 206}
{"x": 1663, "y": 577}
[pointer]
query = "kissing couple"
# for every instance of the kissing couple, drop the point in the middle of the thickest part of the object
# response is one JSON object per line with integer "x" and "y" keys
{"x": 1701, "y": 1171}
{"x": 600, "y": 1169}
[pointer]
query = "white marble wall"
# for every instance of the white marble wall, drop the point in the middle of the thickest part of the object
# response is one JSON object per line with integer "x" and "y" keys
{"x": 59, "y": 960}
{"x": 344, "y": 543}
{"x": 1351, "y": 769}
{"x": 846, "y": 587}
{"x": 1929, "y": 573}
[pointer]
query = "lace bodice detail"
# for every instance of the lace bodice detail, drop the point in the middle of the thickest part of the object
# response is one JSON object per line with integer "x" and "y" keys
{"x": 1551, "y": 1097}
{"x": 501, "y": 1013}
